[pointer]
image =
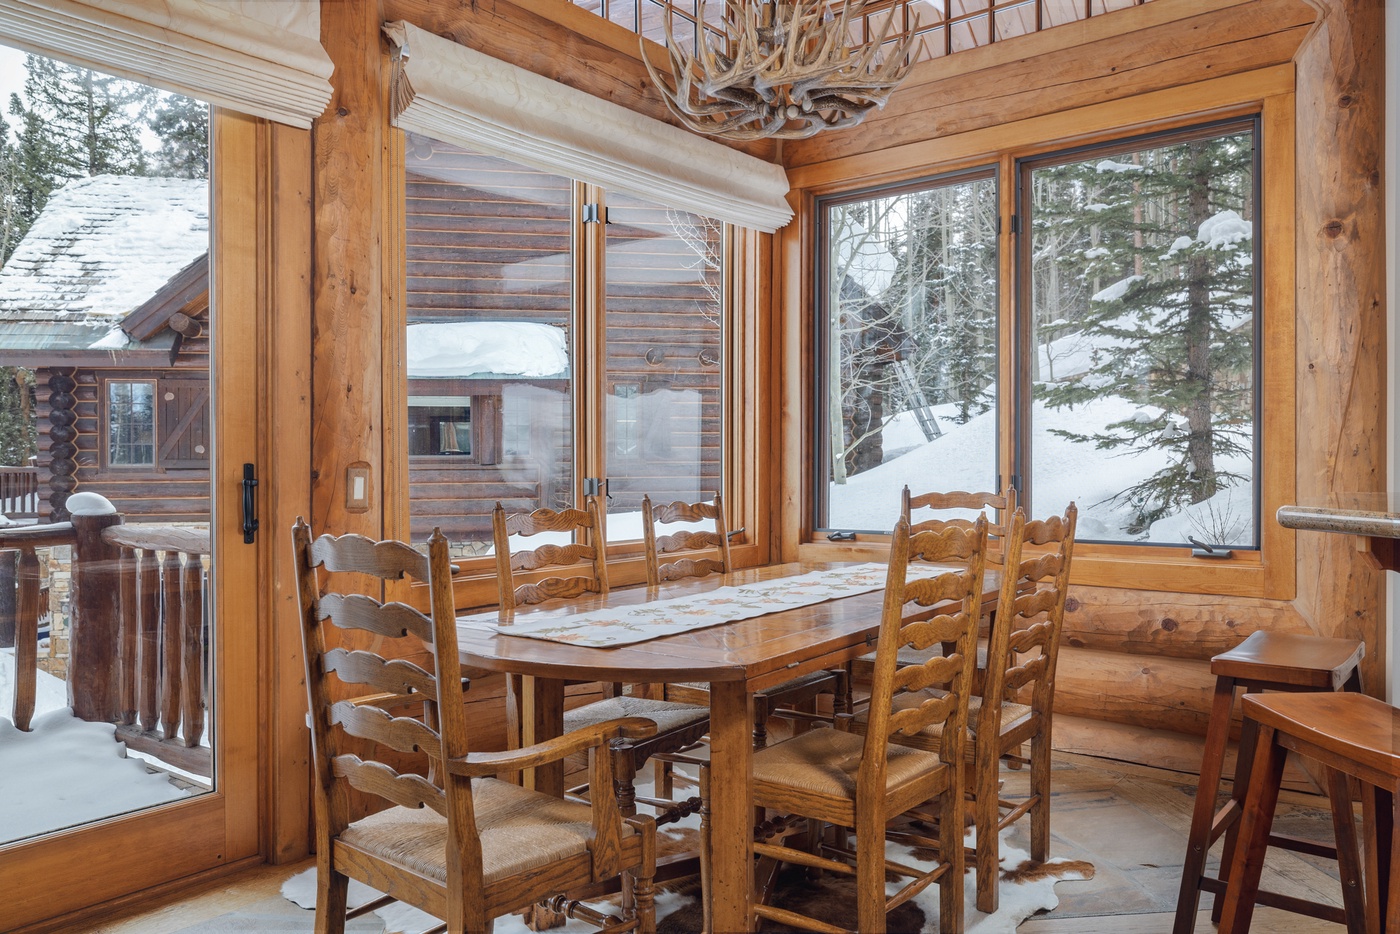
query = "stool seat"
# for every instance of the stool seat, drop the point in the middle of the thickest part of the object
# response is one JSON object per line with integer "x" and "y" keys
{"x": 1353, "y": 739}
{"x": 1354, "y": 727}
{"x": 1282, "y": 658}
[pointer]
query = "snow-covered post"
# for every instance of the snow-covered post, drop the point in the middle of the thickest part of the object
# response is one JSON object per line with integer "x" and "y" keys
{"x": 93, "y": 669}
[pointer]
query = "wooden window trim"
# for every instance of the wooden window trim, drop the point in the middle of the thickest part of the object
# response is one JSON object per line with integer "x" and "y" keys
{"x": 1269, "y": 572}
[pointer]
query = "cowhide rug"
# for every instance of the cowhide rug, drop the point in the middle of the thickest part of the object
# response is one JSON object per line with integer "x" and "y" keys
{"x": 1026, "y": 888}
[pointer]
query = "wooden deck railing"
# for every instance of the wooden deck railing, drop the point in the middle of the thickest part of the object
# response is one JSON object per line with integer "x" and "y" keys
{"x": 19, "y": 492}
{"x": 138, "y": 631}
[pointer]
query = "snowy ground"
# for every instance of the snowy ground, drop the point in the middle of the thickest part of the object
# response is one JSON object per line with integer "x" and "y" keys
{"x": 1063, "y": 471}
{"x": 65, "y": 771}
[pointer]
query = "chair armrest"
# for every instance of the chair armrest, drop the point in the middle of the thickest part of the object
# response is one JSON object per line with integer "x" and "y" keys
{"x": 476, "y": 764}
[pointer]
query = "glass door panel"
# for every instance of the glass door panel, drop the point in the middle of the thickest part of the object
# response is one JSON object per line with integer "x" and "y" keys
{"x": 490, "y": 298}
{"x": 664, "y": 305}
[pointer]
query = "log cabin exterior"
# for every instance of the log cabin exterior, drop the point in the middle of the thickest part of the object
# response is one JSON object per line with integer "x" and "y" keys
{"x": 327, "y": 253}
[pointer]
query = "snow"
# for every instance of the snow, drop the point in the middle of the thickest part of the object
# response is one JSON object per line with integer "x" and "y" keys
{"x": 1115, "y": 291}
{"x": 65, "y": 771}
{"x": 1097, "y": 207}
{"x": 105, "y": 245}
{"x": 1108, "y": 165}
{"x": 1062, "y": 471}
{"x": 1225, "y": 229}
{"x": 466, "y": 348}
{"x": 1096, "y": 252}
{"x": 1179, "y": 244}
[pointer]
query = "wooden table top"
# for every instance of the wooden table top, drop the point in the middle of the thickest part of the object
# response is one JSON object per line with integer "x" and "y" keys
{"x": 762, "y": 650}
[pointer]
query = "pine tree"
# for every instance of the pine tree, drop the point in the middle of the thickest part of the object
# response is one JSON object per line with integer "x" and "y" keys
{"x": 1172, "y": 235}
{"x": 9, "y": 182}
{"x": 93, "y": 121}
{"x": 182, "y": 124}
{"x": 33, "y": 170}
{"x": 17, "y": 429}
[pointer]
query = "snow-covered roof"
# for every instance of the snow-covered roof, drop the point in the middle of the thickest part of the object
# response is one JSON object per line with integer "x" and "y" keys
{"x": 102, "y": 247}
{"x": 487, "y": 349}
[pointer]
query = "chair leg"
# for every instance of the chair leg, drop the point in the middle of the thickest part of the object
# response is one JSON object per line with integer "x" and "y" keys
{"x": 1244, "y": 777}
{"x": 331, "y": 889}
{"x": 760, "y": 721}
{"x": 1040, "y": 787}
{"x": 870, "y": 874}
{"x": 1253, "y": 828}
{"x": 1188, "y": 897}
{"x": 1348, "y": 858}
{"x": 624, "y": 774}
{"x": 1378, "y": 813}
{"x": 986, "y": 814}
{"x": 950, "y": 886}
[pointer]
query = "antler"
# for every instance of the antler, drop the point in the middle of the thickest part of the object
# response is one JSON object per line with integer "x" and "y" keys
{"x": 782, "y": 69}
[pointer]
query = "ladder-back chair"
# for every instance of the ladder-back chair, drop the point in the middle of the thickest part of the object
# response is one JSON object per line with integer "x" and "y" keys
{"x": 779, "y": 699}
{"x": 811, "y": 775}
{"x": 455, "y": 841}
{"x": 678, "y": 725}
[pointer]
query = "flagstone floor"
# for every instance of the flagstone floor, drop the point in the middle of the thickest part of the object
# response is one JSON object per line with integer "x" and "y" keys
{"x": 1130, "y": 822}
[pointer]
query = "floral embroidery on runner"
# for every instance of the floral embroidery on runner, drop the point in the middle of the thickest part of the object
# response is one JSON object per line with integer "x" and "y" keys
{"x": 639, "y": 622}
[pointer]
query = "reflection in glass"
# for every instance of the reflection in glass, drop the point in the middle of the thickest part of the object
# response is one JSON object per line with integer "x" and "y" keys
{"x": 664, "y": 307}
{"x": 490, "y": 281}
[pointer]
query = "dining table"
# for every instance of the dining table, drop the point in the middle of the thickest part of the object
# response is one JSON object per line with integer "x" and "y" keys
{"x": 735, "y": 658}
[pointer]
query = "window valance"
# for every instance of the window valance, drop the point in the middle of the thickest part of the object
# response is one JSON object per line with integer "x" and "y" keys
{"x": 465, "y": 97}
{"x": 262, "y": 58}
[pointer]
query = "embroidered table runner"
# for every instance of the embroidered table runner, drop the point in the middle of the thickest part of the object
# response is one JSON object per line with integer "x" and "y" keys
{"x": 642, "y": 621}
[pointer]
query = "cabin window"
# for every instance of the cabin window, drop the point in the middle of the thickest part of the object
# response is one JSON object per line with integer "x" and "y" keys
{"x": 1117, "y": 367}
{"x": 131, "y": 423}
{"x": 579, "y": 330}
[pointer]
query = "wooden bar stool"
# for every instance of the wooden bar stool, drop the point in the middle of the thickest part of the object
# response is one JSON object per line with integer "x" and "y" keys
{"x": 1266, "y": 661}
{"x": 1349, "y": 735}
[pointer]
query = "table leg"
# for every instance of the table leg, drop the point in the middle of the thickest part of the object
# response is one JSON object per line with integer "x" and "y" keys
{"x": 731, "y": 807}
{"x": 542, "y": 718}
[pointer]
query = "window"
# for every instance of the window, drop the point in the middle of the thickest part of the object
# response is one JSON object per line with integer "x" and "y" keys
{"x": 1119, "y": 369}
{"x": 131, "y": 423}
{"x": 910, "y": 345}
{"x": 547, "y": 344}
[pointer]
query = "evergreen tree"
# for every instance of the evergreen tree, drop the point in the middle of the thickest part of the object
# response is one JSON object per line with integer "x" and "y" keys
{"x": 1171, "y": 234}
{"x": 9, "y": 183}
{"x": 182, "y": 124}
{"x": 92, "y": 121}
{"x": 32, "y": 165}
{"x": 17, "y": 428}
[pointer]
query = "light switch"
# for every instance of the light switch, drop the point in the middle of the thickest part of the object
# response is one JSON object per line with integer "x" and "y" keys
{"x": 357, "y": 477}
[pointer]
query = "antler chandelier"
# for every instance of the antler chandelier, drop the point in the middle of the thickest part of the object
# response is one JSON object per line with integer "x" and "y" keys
{"x": 783, "y": 68}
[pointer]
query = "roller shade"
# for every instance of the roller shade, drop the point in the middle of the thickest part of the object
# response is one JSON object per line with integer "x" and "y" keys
{"x": 462, "y": 96}
{"x": 262, "y": 58}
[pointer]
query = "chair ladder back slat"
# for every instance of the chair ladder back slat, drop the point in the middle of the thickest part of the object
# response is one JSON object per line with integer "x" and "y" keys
{"x": 387, "y": 560}
{"x": 393, "y": 676}
{"x": 1003, "y": 504}
{"x": 376, "y": 778}
{"x": 367, "y": 721}
{"x": 587, "y": 558}
{"x": 363, "y": 612}
{"x": 718, "y": 562}
{"x": 951, "y": 673}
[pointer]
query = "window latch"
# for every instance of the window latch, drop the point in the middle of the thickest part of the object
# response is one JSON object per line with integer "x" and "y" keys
{"x": 841, "y": 536}
{"x": 1202, "y": 550}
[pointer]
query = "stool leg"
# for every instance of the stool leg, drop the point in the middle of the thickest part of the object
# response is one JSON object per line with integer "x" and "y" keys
{"x": 1198, "y": 843}
{"x": 1348, "y": 857}
{"x": 1392, "y": 884}
{"x": 1254, "y": 826}
{"x": 1378, "y": 814}
{"x": 1244, "y": 769}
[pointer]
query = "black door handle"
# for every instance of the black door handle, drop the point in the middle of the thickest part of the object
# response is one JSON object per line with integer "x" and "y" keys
{"x": 250, "y": 504}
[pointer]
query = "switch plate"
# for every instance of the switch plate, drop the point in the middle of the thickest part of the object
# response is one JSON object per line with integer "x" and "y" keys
{"x": 357, "y": 487}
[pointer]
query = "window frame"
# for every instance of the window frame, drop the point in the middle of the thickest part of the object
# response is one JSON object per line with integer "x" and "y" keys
{"x": 1268, "y": 573}
{"x": 746, "y": 260}
{"x": 108, "y": 384}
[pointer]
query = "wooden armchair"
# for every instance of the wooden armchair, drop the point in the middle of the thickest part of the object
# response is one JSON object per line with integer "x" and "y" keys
{"x": 678, "y": 725}
{"x": 775, "y": 700}
{"x": 454, "y": 842}
{"x": 814, "y": 775}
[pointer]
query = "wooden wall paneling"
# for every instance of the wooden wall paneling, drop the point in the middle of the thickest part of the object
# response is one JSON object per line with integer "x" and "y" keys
{"x": 1341, "y": 268}
{"x": 347, "y": 290}
{"x": 559, "y": 41}
{"x": 793, "y": 358}
{"x": 394, "y": 339}
{"x": 285, "y": 491}
{"x": 1132, "y": 61}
